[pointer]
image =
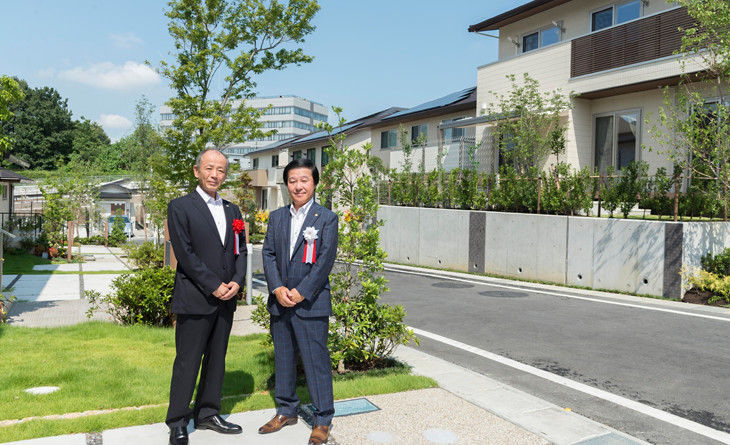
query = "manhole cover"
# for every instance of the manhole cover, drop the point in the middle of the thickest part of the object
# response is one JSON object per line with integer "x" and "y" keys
{"x": 452, "y": 285}
{"x": 342, "y": 408}
{"x": 503, "y": 294}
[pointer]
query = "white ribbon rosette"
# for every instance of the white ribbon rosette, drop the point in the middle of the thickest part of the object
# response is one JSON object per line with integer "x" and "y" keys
{"x": 310, "y": 248}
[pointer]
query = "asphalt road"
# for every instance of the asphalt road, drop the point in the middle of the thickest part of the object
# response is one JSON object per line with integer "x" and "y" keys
{"x": 652, "y": 355}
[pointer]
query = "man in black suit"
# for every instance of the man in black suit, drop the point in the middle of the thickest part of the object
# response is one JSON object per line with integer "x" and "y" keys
{"x": 211, "y": 267}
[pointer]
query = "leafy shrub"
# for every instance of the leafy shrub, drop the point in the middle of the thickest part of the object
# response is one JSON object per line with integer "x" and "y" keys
{"x": 142, "y": 297}
{"x": 707, "y": 281}
{"x": 94, "y": 240}
{"x": 147, "y": 255}
{"x": 4, "y": 306}
{"x": 117, "y": 237}
{"x": 717, "y": 264}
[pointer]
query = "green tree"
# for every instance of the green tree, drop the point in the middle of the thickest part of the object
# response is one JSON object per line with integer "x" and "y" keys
{"x": 91, "y": 146}
{"x": 364, "y": 331}
{"x": 529, "y": 127}
{"x": 227, "y": 44}
{"x": 698, "y": 140}
{"x": 57, "y": 210}
{"x": 10, "y": 93}
{"x": 43, "y": 129}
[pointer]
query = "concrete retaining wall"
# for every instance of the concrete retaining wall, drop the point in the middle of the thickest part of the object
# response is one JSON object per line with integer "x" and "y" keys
{"x": 614, "y": 254}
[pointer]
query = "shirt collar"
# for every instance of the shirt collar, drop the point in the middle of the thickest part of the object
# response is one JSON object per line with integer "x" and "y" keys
{"x": 209, "y": 199}
{"x": 303, "y": 210}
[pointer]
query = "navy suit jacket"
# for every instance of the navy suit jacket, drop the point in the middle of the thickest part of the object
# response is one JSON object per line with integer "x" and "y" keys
{"x": 203, "y": 262}
{"x": 311, "y": 280}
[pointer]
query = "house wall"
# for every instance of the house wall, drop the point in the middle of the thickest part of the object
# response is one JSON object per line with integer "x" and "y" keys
{"x": 6, "y": 198}
{"x": 393, "y": 157}
{"x": 575, "y": 15}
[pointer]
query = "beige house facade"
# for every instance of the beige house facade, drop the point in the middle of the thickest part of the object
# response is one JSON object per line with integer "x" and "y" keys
{"x": 616, "y": 57}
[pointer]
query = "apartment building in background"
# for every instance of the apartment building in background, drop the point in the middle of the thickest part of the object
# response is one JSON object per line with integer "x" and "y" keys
{"x": 290, "y": 116}
{"x": 616, "y": 56}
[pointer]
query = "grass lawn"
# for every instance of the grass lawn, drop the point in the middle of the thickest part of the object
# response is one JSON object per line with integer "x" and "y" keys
{"x": 23, "y": 262}
{"x": 105, "y": 366}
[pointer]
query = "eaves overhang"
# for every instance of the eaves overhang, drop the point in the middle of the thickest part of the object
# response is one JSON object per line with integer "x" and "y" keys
{"x": 516, "y": 14}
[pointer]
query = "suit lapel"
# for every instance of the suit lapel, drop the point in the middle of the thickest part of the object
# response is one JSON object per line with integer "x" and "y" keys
{"x": 285, "y": 230}
{"x": 229, "y": 220}
{"x": 203, "y": 209}
{"x": 312, "y": 216}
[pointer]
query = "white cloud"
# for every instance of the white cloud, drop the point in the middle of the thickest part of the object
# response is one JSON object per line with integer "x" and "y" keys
{"x": 127, "y": 40}
{"x": 114, "y": 121}
{"x": 110, "y": 76}
{"x": 46, "y": 73}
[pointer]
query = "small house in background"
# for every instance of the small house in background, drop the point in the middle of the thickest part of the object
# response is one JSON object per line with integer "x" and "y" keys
{"x": 8, "y": 180}
{"x": 121, "y": 195}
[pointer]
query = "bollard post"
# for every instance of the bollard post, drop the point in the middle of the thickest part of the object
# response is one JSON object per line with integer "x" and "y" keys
{"x": 249, "y": 274}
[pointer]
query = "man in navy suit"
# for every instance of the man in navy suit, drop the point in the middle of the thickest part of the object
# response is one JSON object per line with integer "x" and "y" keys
{"x": 210, "y": 271}
{"x": 298, "y": 254}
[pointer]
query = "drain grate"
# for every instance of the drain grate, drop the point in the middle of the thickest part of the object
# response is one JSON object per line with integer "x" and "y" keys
{"x": 342, "y": 408}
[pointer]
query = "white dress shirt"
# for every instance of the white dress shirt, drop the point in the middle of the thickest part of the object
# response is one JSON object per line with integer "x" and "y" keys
{"x": 215, "y": 205}
{"x": 297, "y": 220}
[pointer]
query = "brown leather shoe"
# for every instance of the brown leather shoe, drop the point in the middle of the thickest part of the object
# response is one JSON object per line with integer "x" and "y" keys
{"x": 320, "y": 434}
{"x": 276, "y": 423}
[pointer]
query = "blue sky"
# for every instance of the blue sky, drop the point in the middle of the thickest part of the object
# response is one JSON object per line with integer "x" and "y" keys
{"x": 369, "y": 55}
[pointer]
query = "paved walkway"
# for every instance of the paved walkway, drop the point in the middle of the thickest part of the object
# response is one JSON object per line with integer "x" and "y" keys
{"x": 468, "y": 408}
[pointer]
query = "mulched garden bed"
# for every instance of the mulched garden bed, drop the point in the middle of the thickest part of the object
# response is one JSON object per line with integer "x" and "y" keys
{"x": 695, "y": 296}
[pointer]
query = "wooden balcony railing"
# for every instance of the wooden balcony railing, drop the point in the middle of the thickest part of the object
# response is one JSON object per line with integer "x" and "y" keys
{"x": 642, "y": 40}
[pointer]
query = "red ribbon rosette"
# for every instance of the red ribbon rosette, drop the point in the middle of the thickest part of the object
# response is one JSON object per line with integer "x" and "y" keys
{"x": 238, "y": 227}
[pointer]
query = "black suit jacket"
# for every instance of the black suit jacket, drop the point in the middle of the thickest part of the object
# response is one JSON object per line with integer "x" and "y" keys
{"x": 203, "y": 262}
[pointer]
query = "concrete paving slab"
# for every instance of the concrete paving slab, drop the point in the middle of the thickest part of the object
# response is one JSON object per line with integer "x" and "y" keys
{"x": 57, "y": 267}
{"x": 104, "y": 265}
{"x": 42, "y": 314}
{"x": 47, "y": 287}
{"x": 73, "y": 439}
{"x": 99, "y": 282}
{"x": 573, "y": 427}
{"x": 509, "y": 402}
{"x": 94, "y": 250}
{"x": 249, "y": 421}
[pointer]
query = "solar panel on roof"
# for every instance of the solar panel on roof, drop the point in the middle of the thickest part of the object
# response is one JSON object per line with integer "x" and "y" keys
{"x": 436, "y": 103}
{"x": 323, "y": 133}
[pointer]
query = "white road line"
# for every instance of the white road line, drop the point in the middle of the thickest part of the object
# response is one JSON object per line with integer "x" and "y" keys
{"x": 558, "y": 294}
{"x": 621, "y": 401}
{"x": 258, "y": 281}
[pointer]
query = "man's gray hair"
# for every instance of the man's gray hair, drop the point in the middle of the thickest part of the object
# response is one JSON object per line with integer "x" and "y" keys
{"x": 199, "y": 159}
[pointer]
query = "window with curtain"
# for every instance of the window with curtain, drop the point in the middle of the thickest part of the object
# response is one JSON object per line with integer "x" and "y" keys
{"x": 617, "y": 140}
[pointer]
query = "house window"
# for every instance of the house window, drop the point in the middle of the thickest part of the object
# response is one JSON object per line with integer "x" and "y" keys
{"x": 388, "y": 139}
{"x": 275, "y": 160}
{"x": 255, "y": 163}
{"x": 452, "y": 134}
{"x": 312, "y": 154}
{"x": 615, "y": 15}
{"x": 616, "y": 139}
{"x": 530, "y": 42}
{"x": 297, "y": 154}
{"x": 325, "y": 157}
{"x": 264, "y": 199}
{"x": 419, "y": 134}
{"x": 5, "y": 192}
{"x": 538, "y": 39}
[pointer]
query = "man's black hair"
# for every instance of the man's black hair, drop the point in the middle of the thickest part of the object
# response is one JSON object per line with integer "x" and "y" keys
{"x": 302, "y": 163}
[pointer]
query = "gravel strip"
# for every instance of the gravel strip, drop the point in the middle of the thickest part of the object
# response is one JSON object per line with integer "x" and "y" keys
{"x": 426, "y": 417}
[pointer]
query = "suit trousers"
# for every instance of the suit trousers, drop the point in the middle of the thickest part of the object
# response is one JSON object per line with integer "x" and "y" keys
{"x": 198, "y": 337}
{"x": 292, "y": 336}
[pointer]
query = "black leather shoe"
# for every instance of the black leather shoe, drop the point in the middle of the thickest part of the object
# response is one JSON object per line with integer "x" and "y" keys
{"x": 217, "y": 424}
{"x": 179, "y": 435}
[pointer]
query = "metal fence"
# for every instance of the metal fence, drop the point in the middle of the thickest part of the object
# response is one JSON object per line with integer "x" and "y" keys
{"x": 22, "y": 223}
